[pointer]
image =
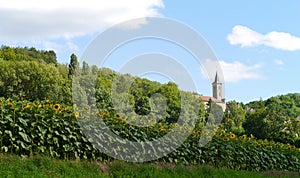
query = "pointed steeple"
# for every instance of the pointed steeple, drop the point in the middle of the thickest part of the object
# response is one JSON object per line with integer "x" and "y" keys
{"x": 217, "y": 88}
{"x": 217, "y": 80}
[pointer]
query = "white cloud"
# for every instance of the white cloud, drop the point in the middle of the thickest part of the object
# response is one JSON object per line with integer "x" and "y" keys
{"x": 247, "y": 37}
{"x": 232, "y": 72}
{"x": 236, "y": 71}
{"x": 37, "y": 20}
{"x": 278, "y": 62}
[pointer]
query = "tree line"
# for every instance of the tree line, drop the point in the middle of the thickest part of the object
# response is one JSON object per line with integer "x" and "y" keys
{"x": 276, "y": 118}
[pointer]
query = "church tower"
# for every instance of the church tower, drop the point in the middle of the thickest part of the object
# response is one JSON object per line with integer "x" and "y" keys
{"x": 217, "y": 88}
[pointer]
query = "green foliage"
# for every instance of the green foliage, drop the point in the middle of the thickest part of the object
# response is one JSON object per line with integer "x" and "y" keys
{"x": 234, "y": 117}
{"x": 29, "y": 128}
{"x": 73, "y": 66}
{"x": 289, "y": 103}
{"x": 28, "y": 54}
{"x": 172, "y": 95}
{"x": 274, "y": 118}
{"x": 33, "y": 81}
{"x": 85, "y": 68}
{"x": 42, "y": 166}
{"x": 121, "y": 169}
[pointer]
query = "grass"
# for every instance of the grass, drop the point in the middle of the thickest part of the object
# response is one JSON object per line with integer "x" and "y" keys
{"x": 119, "y": 169}
{"x": 41, "y": 166}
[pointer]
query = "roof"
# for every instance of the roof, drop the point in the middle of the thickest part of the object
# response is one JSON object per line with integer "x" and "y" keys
{"x": 207, "y": 98}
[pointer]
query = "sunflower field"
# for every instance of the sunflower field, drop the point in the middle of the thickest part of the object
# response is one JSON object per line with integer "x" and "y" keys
{"x": 42, "y": 127}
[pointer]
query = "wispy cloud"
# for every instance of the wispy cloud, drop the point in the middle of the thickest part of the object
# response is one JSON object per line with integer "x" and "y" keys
{"x": 246, "y": 37}
{"x": 278, "y": 62}
{"x": 39, "y": 20}
{"x": 233, "y": 72}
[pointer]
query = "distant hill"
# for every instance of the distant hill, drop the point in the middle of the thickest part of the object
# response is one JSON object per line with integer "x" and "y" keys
{"x": 289, "y": 103}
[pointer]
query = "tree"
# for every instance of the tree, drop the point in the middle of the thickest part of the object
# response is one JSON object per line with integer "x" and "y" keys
{"x": 50, "y": 57}
{"x": 234, "y": 117}
{"x": 275, "y": 122}
{"x": 254, "y": 122}
{"x": 94, "y": 69}
{"x": 141, "y": 89}
{"x": 32, "y": 80}
{"x": 172, "y": 94}
{"x": 73, "y": 66}
{"x": 268, "y": 123}
{"x": 142, "y": 106}
{"x": 85, "y": 68}
{"x": 214, "y": 113}
{"x": 8, "y": 53}
{"x": 27, "y": 54}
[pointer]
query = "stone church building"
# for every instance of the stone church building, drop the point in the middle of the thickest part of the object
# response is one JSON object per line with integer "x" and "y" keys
{"x": 217, "y": 90}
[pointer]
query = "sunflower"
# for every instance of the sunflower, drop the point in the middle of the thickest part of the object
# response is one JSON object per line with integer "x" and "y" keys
{"x": 10, "y": 104}
{"x": 244, "y": 137}
{"x": 57, "y": 107}
{"x": 48, "y": 103}
{"x": 27, "y": 106}
{"x": 117, "y": 115}
{"x": 76, "y": 114}
{"x": 226, "y": 139}
{"x": 232, "y": 136}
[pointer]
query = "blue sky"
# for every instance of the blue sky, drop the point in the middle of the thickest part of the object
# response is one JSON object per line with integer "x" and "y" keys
{"x": 256, "y": 42}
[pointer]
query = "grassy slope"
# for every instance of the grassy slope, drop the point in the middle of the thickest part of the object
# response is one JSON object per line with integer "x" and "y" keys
{"x": 39, "y": 166}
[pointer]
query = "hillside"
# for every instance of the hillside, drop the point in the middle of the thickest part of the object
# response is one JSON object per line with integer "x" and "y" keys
{"x": 43, "y": 105}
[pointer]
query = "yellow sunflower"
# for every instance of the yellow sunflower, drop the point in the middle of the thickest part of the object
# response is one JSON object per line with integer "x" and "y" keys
{"x": 27, "y": 106}
{"x": 225, "y": 139}
{"x": 57, "y": 107}
{"x": 232, "y": 136}
{"x": 48, "y": 104}
{"x": 76, "y": 114}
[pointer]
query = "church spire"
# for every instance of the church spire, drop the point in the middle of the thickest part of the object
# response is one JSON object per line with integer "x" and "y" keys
{"x": 217, "y": 88}
{"x": 217, "y": 80}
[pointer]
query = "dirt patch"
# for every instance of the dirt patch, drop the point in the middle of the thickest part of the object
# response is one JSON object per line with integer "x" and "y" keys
{"x": 104, "y": 167}
{"x": 162, "y": 165}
